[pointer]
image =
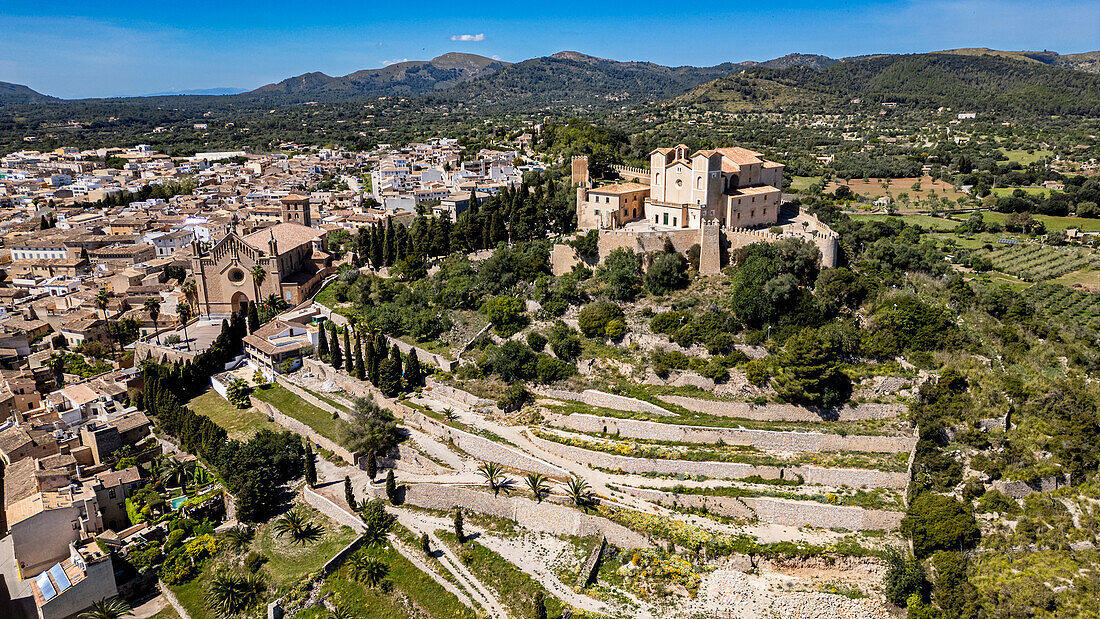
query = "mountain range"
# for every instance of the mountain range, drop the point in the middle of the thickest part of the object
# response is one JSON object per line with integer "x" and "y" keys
{"x": 1043, "y": 81}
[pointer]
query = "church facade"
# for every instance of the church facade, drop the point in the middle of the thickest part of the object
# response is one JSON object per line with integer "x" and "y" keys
{"x": 288, "y": 260}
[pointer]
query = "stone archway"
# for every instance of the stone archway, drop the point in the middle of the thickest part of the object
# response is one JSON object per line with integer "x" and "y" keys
{"x": 240, "y": 301}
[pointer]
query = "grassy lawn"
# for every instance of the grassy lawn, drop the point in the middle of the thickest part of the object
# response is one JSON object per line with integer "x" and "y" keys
{"x": 287, "y": 563}
{"x": 924, "y": 221}
{"x": 1008, "y": 191}
{"x": 800, "y": 183}
{"x": 1050, "y": 221}
{"x": 166, "y": 613}
{"x": 514, "y": 588}
{"x": 1024, "y": 157}
{"x": 294, "y": 406}
{"x": 409, "y": 584}
{"x": 240, "y": 424}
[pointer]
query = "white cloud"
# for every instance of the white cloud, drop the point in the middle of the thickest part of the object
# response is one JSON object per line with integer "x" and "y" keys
{"x": 469, "y": 38}
{"x": 386, "y": 63}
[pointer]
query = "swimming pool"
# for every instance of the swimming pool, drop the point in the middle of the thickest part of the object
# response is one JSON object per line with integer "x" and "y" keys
{"x": 176, "y": 502}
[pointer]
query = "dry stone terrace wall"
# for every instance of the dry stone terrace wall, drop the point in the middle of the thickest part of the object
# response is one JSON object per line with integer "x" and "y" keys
{"x": 302, "y": 429}
{"x": 779, "y": 511}
{"x": 784, "y": 412}
{"x": 437, "y": 388}
{"x": 603, "y": 399}
{"x": 334, "y": 512}
{"x": 762, "y": 439}
{"x": 477, "y": 446}
{"x": 854, "y": 478}
{"x": 545, "y": 516}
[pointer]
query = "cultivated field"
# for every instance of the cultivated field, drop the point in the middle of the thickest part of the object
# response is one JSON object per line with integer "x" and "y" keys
{"x": 873, "y": 187}
{"x": 1039, "y": 262}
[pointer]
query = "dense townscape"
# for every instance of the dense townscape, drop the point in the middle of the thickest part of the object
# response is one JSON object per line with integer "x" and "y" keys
{"x": 568, "y": 337}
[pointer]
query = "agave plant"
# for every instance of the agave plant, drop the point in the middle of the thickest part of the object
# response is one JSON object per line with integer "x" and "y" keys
{"x": 113, "y": 608}
{"x": 449, "y": 414}
{"x": 493, "y": 474}
{"x": 538, "y": 485}
{"x": 300, "y": 528}
{"x": 578, "y": 491}
{"x": 240, "y": 537}
{"x": 231, "y": 593}
{"x": 367, "y": 569}
{"x": 342, "y": 611}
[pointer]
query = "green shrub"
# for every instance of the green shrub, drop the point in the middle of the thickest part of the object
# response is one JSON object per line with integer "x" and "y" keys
{"x": 757, "y": 372}
{"x": 615, "y": 329}
{"x": 594, "y": 317}
{"x": 254, "y": 561}
{"x": 536, "y": 341}
{"x": 936, "y": 522}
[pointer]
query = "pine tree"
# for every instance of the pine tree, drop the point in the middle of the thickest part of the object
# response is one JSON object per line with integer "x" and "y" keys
{"x": 360, "y": 369}
{"x": 311, "y": 467}
{"x": 349, "y": 494}
{"x": 322, "y": 342}
{"x": 350, "y": 366}
{"x": 337, "y": 356}
{"x": 253, "y": 317}
{"x": 458, "y": 525}
{"x": 391, "y": 487}
{"x": 413, "y": 375}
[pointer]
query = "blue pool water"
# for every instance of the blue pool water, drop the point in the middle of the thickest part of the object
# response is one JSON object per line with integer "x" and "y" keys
{"x": 176, "y": 502}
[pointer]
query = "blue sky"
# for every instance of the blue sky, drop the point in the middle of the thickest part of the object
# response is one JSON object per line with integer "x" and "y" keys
{"x": 124, "y": 47}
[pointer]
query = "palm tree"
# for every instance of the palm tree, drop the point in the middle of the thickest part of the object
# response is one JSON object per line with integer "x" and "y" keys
{"x": 367, "y": 570}
{"x": 300, "y": 529}
{"x": 190, "y": 290}
{"x": 113, "y": 608}
{"x": 577, "y": 489}
{"x": 258, "y": 277}
{"x": 175, "y": 473}
{"x": 538, "y": 484}
{"x": 183, "y": 310}
{"x": 231, "y": 593}
{"x": 102, "y": 300}
{"x": 152, "y": 305}
{"x": 240, "y": 537}
{"x": 493, "y": 474}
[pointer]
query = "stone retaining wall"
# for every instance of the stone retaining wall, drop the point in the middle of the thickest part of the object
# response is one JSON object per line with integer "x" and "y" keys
{"x": 437, "y": 388}
{"x": 302, "y": 429}
{"x": 545, "y": 517}
{"x": 762, "y": 439}
{"x": 602, "y": 399}
{"x": 329, "y": 508}
{"x": 410, "y": 460}
{"x": 1020, "y": 489}
{"x": 477, "y": 446}
{"x": 774, "y": 510}
{"x": 784, "y": 412}
{"x": 441, "y": 362}
{"x": 853, "y": 478}
{"x": 172, "y": 600}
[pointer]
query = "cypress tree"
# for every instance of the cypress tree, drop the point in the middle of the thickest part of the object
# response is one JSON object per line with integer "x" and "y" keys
{"x": 458, "y": 525}
{"x": 311, "y": 466}
{"x": 539, "y": 610}
{"x": 337, "y": 356}
{"x": 360, "y": 369}
{"x": 391, "y": 487}
{"x": 413, "y": 374}
{"x": 425, "y": 544}
{"x": 253, "y": 317}
{"x": 377, "y": 247}
{"x": 322, "y": 342}
{"x": 350, "y": 365}
{"x": 388, "y": 244}
{"x": 372, "y": 465}
{"x": 349, "y": 494}
{"x": 395, "y": 356}
{"x": 368, "y": 357}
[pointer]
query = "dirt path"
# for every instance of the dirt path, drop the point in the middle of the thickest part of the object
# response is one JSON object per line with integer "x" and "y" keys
{"x": 416, "y": 560}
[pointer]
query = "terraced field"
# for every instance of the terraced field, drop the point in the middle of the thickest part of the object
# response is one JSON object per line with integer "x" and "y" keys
{"x": 1036, "y": 263}
{"x": 1066, "y": 304}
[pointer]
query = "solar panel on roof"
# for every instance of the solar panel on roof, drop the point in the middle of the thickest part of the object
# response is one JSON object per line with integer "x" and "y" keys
{"x": 45, "y": 586}
{"x": 60, "y": 577}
